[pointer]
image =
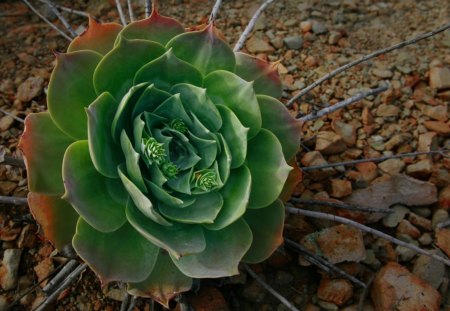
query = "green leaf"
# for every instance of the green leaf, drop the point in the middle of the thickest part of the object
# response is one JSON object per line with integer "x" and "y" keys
{"x": 224, "y": 250}
{"x": 265, "y": 76}
{"x": 70, "y": 90}
{"x": 115, "y": 72}
{"x": 235, "y": 135}
{"x": 224, "y": 160}
{"x": 235, "y": 193}
{"x": 156, "y": 176}
{"x": 206, "y": 150}
{"x": 164, "y": 283}
{"x": 43, "y": 145}
{"x": 277, "y": 119}
{"x": 226, "y": 88}
{"x": 179, "y": 239}
{"x": 268, "y": 167}
{"x": 132, "y": 162}
{"x": 195, "y": 100}
{"x": 181, "y": 183}
{"x": 141, "y": 201}
{"x": 172, "y": 108}
{"x": 98, "y": 37}
{"x": 267, "y": 228}
{"x": 105, "y": 153}
{"x": 168, "y": 70}
{"x": 203, "y": 210}
{"x": 56, "y": 217}
{"x": 163, "y": 196}
{"x": 99, "y": 200}
{"x": 122, "y": 118}
{"x": 155, "y": 28}
{"x": 123, "y": 255}
{"x": 204, "y": 50}
{"x": 149, "y": 100}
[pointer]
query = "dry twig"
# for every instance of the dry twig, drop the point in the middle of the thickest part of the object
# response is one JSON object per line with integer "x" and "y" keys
{"x": 130, "y": 11}
{"x": 250, "y": 26}
{"x": 62, "y": 33}
{"x": 7, "y": 160}
{"x": 12, "y": 116}
{"x": 355, "y": 224}
{"x": 342, "y": 104}
{"x": 60, "y": 17}
{"x": 283, "y": 300}
{"x": 380, "y": 159}
{"x": 365, "y": 58}
{"x": 215, "y": 10}
{"x": 148, "y": 8}
{"x": 69, "y": 10}
{"x": 13, "y": 200}
{"x": 120, "y": 11}
{"x": 351, "y": 207}
{"x": 65, "y": 271}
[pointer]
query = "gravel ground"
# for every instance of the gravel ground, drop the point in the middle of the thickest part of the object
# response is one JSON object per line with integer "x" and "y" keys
{"x": 308, "y": 39}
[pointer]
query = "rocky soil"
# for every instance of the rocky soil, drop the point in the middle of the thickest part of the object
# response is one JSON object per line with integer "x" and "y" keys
{"x": 308, "y": 39}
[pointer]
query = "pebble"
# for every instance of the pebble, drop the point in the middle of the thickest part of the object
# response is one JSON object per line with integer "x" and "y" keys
{"x": 395, "y": 288}
{"x": 392, "y": 166}
{"x": 430, "y": 270}
{"x": 346, "y": 130}
{"x": 5, "y": 123}
{"x": 117, "y": 294}
{"x": 10, "y": 268}
{"x": 306, "y": 26}
{"x": 440, "y": 127}
{"x": 382, "y": 73}
{"x": 444, "y": 198}
{"x": 426, "y": 239}
{"x": 436, "y": 112}
{"x": 421, "y": 169}
{"x": 336, "y": 291}
{"x": 253, "y": 292}
{"x": 316, "y": 158}
{"x": 427, "y": 142}
{"x": 294, "y": 42}
{"x": 420, "y": 221}
{"x": 257, "y": 45}
{"x": 406, "y": 228}
{"x": 340, "y": 188}
{"x": 393, "y": 219}
{"x": 30, "y": 88}
{"x": 319, "y": 28}
{"x": 283, "y": 278}
{"x": 328, "y": 142}
{"x": 334, "y": 37}
{"x": 443, "y": 240}
{"x": 440, "y": 78}
{"x": 440, "y": 215}
{"x": 387, "y": 110}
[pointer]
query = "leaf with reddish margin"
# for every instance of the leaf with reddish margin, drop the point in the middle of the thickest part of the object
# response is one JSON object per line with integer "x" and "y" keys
{"x": 294, "y": 178}
{"x": 155, "y": 28}
{"x": 267, "y": 80}
{"x": 123, "y": 255}
{"x": 71, "y": 89}
{"x": 98, "y": 37}
{"x": 163, "y": 283}
{"x": 43, "y": 145}
{"x": 204, "y": 49}
{"x": 56, "y": 217}
{"x": 267, "y": 229}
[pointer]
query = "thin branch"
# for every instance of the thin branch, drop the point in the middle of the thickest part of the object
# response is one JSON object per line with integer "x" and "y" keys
{"x": 7, "y": 160}
{"x": 121, "y": 15}
{"x": 12, "y": 116}
{"x": 13, "y": 200}
{"x": 125, "y": 303}
{"x": 308, "y": 255}
{"x": 342, "y": 104}
{"x": 443, "y": 224}
{"x": 62, "y": 33}
{"x": 148, "y": 8}
{"x": 364, "y": 293}
{"x": 65, "y": 271}
{"x": 130, "y": 11}
{"x": 66, "y": 283}
{"x": 380, "y": 159}
{"x": 250, "y": 26}
{"x": 365, "y": 58}
{"x": 270, "y": 289}
{"x": 60, "y": 17}
{"x": 351, "y": 207}
{"x": 355, "y": 224}
{"x": 132, "y": 303}
{"x": 215, "y": 10}
{"x": 69, "y": 10}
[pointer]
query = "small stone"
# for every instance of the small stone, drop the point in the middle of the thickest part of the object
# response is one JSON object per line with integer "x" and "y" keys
{"x": 346, "y": 130}
{"x": 366, "y": 116}
{"x": 7, "y": 187}
{"x": 327, "y": 306}
{"x": 43, "y": 269}
{"x": 277, "y": 42}
{"x": 420, "y": 221}
{"x": 319, "y": 28}
{"x": 427, "y": 142}
{"x": 328, "y": 142}
{"x": 421, "y": 169}
{"x": 376, "y": 142}
{"x": 426, "y": 239}
{"x": 30, "y": 88}
{"x": 208, "y": 299}
{"x": 395, "y": 288}
{"x": 443, "y": 240}
{"x": 283, "y": 278}
{"x": 436, "y": 112}
{"x": 337, "y": 291}
{"x": 294, "y": 42}
{"x": 444, "y": 198}
{"x": 5, "y": 123}
{"x": 253, "y": 292}
{"x": 7, "y": 87}
{"x": 393, "y": 219}
{"x": 382, "y": 73}
{"x": 387, "y": 110}
{"x": 440, "y": 215}
{"x": 340, "y": 188}
{"x": 306, "y": 26}
{"x": 10, "y": 268}
{"x": 392, "y": 166}
{"x": 27, "y": 238}
{"x": 315, "y": 158}
{"x": 257, "y": 45}
{"x": 395, "y": 141}
{"x": 405, "y": 227}
{"x": 368, "y": 170}
{"x": 310, "y": 61}
{"x": 404, "y": 253}
{"x": 117, "y": 294}
{"x": 334, "y": 37}
{"x": 439, "y": 78}
{"x": 430, "y": 270}
{"x": 442, "y": 128}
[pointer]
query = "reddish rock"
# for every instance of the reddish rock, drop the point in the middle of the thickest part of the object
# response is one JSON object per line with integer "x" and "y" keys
{"x": 346, "y": 131}
{"x": 436, "y": 112}
{"x": 315, "y": 158}
{"x": 392, "y": 166}
{"x": 444, "y": 198}
{"x": 395, "y": 288}
{"x": 337, "y": 291}
{"x": 439, "y": 78}
{"x": 420, "y": 221}
{"x": 368, "y": 170}
{"x": 30, "y": 88}
{"x": 443, "y": 240}
{"x": 421, "y": 169}
{"x": 257, "y": 45}
{"x": 209, "y": 299}
{"x": 427, "y": 142}
{"x": 43, "y": 269}
{"x": 442, "y": 128}
{"x": 328, "y": 142}
{"x": 340, "y": 188}
{"x": 405, "y": 227}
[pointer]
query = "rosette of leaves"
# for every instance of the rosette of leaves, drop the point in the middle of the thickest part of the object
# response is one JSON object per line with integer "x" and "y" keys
{"x": 162, "y": 156}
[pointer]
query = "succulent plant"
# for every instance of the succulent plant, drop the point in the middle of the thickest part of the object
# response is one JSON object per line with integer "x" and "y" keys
{"x": 162, "y": 156}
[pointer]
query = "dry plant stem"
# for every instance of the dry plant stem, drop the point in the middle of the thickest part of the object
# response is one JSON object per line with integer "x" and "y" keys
{"x": 62, "y": 33}
{"x": 132, "y": 303}
{"x": 322, "y": 262}
{"x": 60, "y": 17}
{"x": 362, "y": 227}
{"x": 365, "y": 58}
{"x": 130, "y": 11}
{"x": 270, "y": 289}
{"x": 364, "y": 293}
{"x": 120, "y": 11}
{"x": 342, "y": 104}
{"x": 68, "y": 10}
{"x": 148, "y": 8}
{"x": 70, "y": 278}
{"x": 215, "y": 10}
{"x": 13, "y": 161}
{"x": 443, "y": 224}
{"x": 125, "y": 303}
{"x": 250, "y": 26}
{"x": 13, "y": 200}
{"x": 380, "y": 159}
{"x": 12, "y": 116}
{"x": 351, "y": 207}
{"x": 65, "y": 271}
